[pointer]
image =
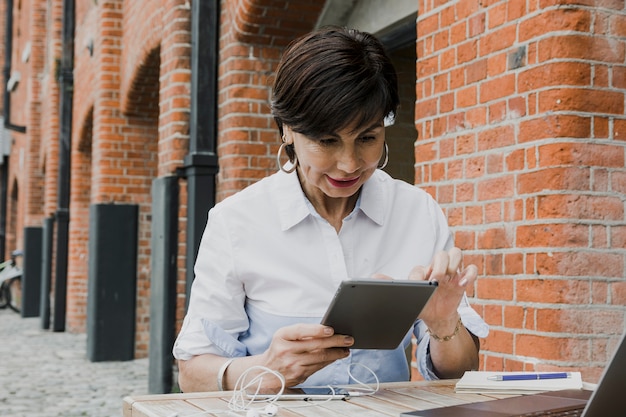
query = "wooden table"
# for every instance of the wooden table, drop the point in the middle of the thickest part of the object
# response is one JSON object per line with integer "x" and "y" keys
{"x": 391, "y": 400}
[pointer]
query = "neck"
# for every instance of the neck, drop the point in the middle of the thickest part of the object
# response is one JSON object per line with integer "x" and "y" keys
{"x": 332, "y": 209}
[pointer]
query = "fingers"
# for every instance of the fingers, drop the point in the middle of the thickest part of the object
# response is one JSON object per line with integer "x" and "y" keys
{"x": 299, "y": 367}
{"x": 420, "y": 273}
{"x": 304, "y": 338}
{"x": 455, "y": 258}
{"x": 446, "y": 264}
{"x": 300, "y": 350}
{"x": 303, "y": 332}
{"x": 446, "y": 268}
{"x": 468, "y": 275}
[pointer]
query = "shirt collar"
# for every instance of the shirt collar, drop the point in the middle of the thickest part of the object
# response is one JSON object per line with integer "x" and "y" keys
{"x": 293, "y": 207}
{"x": 291, "y": 200}
{"x": 374, "y": 197}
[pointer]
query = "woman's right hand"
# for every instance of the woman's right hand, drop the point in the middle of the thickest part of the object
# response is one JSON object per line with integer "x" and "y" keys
{"x": 300, "y": 350}
{"x": 296, "y": 352}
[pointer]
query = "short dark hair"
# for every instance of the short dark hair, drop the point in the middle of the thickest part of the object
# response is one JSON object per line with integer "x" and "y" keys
{"x": 332, "y": 78}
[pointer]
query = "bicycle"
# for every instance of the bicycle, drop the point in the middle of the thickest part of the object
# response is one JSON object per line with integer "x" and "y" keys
{"x": 11, "y": 283}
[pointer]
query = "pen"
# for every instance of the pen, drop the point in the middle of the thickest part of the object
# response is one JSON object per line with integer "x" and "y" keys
{"x": 526, "y": 377}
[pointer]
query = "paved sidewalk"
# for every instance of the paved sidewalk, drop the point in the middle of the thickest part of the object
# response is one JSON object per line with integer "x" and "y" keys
{"x": 47, "y": 374}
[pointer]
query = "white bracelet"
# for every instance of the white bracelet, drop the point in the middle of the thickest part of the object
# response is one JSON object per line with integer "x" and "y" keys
{"x": 221, "y": 372}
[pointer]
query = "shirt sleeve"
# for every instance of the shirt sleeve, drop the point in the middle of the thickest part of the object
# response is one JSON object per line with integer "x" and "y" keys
{"x": 472, "y": 322}
{"x": 216, "y": 315}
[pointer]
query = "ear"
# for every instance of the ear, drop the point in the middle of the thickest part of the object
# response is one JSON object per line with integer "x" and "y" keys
{"x": 287, "y": 135}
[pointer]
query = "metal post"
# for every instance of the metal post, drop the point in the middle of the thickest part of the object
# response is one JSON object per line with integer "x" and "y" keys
{"x": 163, "y": 277}
{"x": 201, "y": 164}
{"x": 66, "y": 80}
{"x": 46, "y": 272}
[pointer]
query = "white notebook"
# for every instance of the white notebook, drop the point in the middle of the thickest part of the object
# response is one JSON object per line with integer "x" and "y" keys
{"x": 481, "y": 382}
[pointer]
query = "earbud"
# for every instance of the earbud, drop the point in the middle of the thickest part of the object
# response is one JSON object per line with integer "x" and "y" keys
{"x": 270, "y": 410}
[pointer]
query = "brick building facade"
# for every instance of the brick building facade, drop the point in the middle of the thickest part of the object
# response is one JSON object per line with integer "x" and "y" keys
{"x": 513, "y": 119}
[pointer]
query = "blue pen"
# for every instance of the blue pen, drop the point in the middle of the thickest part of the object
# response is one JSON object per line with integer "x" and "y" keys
{"x": 527, "y": 377}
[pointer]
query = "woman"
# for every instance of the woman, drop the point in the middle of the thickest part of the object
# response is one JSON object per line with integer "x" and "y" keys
{"x": 273, "y": 254}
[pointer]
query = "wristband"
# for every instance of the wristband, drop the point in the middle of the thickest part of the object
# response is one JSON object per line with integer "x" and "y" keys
{"x": 221, "y": 372}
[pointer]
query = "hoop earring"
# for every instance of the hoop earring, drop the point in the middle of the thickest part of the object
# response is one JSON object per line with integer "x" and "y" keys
{"x": 280, "y": 166}
{"x": 384, "y": 164}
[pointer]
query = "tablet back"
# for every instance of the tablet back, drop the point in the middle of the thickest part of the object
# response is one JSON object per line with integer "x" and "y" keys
{"x": 377, "y": 313}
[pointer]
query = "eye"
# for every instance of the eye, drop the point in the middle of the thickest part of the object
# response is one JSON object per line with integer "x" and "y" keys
{"x": 328, "y": 142}
{"x": 368, "y": 138}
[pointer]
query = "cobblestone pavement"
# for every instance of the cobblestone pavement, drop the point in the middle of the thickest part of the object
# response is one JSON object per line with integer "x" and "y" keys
{"x": 47, "y": 374}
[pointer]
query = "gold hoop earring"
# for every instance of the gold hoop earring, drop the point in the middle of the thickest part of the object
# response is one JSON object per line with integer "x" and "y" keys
{"x": 280, "y": 166}
{"x": 386, "y": 160}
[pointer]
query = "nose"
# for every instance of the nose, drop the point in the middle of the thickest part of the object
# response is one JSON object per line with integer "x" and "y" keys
{"x": 348, "y": 160}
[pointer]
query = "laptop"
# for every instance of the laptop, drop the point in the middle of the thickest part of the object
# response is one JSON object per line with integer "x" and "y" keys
{"x": 607, "y": 400}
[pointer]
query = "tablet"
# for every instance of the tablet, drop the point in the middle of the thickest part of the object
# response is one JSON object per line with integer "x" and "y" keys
{"x": 377, "y": 313}
{"x": 306, "y": 394}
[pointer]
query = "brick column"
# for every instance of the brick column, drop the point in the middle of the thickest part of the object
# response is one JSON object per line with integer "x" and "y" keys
{"x": 520, "y": 112}
{"x": 175, "y": 83}
{"x": 107, "y": 116}
{"x": 50, "y": 110}
{"x": 121, "y": 146}
{"x": 33, "y": 182}
{"x": 254, "y": 34}
{"x": 96, "y": 137}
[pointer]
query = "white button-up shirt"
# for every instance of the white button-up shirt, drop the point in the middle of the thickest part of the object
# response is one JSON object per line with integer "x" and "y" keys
{"x": 268, "y": 260}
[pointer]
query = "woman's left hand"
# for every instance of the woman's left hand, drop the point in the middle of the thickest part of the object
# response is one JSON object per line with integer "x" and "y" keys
{"x": 440, "y": 313}
{"x": 454, "y": 350}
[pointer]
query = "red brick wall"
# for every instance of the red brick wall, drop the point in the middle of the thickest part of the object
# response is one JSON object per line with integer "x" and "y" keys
{"x": 520, "y": 111}
{"x": 22, "y": 28}
{"x": 174, "y": 94}
{"x": 253, "y": 36}
{"x": 119, "y": 135}
{"x": 85, "y": 69}
{"x": 128, "y": 148}
{"x": 80, "y": 197}
{"x": 25, "y": 175}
